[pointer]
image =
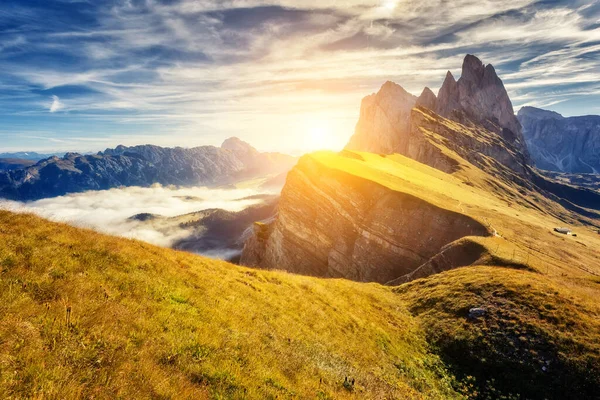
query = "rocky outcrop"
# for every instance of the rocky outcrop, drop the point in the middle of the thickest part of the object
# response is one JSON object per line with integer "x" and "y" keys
{"x": 384, "y": 120}
{"x": 463, "y": 252}
{"x": 333, "y": 224}
{"x": 481, "y": 96}
{"x": 477, "y": 98}
{"x": 427, "y": 99}
{"x": 141, "y": 166}
{"x": 562, "y": 144}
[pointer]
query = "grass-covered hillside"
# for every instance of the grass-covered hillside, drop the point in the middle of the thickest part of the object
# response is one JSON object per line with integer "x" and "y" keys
{"x": 83, "y": 315}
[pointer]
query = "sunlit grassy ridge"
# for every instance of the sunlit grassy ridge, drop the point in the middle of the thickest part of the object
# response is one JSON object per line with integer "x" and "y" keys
{"x": 540, "y": 335}
{"x": 523, "y": 220}
{"x": 85, "y": 315}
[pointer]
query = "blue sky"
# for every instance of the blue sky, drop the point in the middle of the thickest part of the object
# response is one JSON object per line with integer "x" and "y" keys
{"x": 284, "y": 75}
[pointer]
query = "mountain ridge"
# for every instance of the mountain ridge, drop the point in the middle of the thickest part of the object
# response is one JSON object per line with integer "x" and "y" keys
{"x": 562, "y": 144}
{"x": 478, "y": 97}
{"x": 141, "y": 166}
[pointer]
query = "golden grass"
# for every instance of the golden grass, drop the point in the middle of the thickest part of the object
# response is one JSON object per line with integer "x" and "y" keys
{"x": 147, "y": 322}
{"x": 539, "y": 338}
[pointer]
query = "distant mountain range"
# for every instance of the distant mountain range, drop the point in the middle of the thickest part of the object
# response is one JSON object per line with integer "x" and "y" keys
{"x": 28, "y": 155}
{"x": 562, "y": 144}
{"x": 213, "y": 232}
{"x": 141, "y": 166}
{"x": 9, "y": 164}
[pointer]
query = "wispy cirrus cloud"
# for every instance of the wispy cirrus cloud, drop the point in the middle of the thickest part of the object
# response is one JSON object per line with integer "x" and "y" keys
{"x": 193, "y": 72}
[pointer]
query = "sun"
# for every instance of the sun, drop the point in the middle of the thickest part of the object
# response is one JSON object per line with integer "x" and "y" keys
{"x": 389, "y": 4}
{"x": 320, "y": 136}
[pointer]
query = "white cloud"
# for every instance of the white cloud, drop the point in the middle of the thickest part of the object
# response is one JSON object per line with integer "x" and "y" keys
{"x": 56, "y": 104}
{"x": 263, "y": 78}
{"x": 108, "y": 211}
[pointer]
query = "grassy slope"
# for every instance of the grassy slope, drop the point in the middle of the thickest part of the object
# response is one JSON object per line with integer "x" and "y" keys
{"x": 148, "y": 322}
{"x": 544, "y": 317}
{"x": 154, "y": 323}
{"x": 523, "y": 220}
{"x": 539, "y": 338}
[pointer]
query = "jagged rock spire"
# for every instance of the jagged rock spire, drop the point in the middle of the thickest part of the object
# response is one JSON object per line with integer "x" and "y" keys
{"x": 481, "y": 95}
{"x": 427, "y": 99}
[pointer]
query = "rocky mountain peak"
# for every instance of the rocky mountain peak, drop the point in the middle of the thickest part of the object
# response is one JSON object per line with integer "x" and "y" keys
{"x": 237, "y": 146}
{"x": 384, "y": 119}
{"x": 71, "y": 156}
{"x": 478, "y": 97}
{"x": 538, "y": 113}
{"x": 393, "y": 91}
{"x": 482, "y": 97}
{"x": 447, "y": 99}
{"x": 556, "y": 143}
{"x": 427, "y": 99}
{"x": 472, "y": 69}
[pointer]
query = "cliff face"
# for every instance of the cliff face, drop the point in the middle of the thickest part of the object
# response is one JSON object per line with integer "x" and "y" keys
{"x": 384, "y": 119}
{"x": 477, "y": 98}
{"x": 334, "y": 224}
{"x": 141, "y": 166}
{"x": 562, "y": 144}
{"x": 481, "y": 96}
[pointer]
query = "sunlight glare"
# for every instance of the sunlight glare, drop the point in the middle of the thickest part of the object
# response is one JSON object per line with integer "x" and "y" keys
{"x": 390, "y": 4}
{"x": 320, "y": 136}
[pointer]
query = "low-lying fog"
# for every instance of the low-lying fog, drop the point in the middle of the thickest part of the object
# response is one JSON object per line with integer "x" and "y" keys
{"x": 108, "y": 211}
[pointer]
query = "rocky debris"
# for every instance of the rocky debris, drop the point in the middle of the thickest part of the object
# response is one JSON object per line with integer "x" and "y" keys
{"x": 141, "y": 166}
{"x": 564, "y": 231}
{"x": 562, "y": 144}
{"x": 333, "y": 224}
{"x": 477, "y": 312}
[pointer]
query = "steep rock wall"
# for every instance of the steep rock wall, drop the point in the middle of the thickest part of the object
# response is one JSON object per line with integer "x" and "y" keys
{"x": 333, "y": 224}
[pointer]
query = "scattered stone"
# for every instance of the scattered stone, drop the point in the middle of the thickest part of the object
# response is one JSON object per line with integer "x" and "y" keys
{"x": 476, "y": 312}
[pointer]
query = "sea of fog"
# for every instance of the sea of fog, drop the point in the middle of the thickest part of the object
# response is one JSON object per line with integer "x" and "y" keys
{"x": 108, "y": 211}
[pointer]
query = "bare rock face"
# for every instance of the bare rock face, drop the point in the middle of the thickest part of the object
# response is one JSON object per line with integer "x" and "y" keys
{"x": 448, "y": 96}
{"x": 384, "y": 119}
{"x": 481, "y": 95}
{"x": 427, "y": 99}
{"x": 477, "y": 98}
{"x": 333, "y": 224}
{"x": 562, "y": 144}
